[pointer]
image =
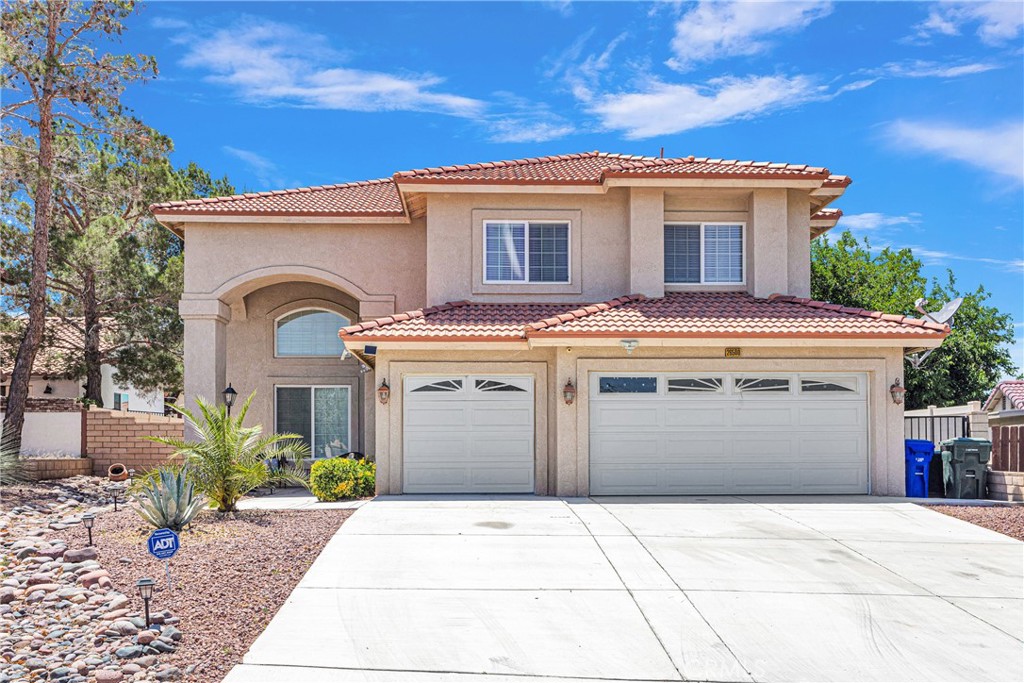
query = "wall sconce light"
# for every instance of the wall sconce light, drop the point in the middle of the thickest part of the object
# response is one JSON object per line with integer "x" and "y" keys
{"x": 384, "y": 393}
{"x": 629, "y": 345}
{"x": 569, "y": 392}
{"x": 897, "y": 392}
{"x": 48, "y": 389}
{"x": 229, "y": 397}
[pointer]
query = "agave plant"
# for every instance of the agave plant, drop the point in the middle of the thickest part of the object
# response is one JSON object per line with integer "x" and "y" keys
{"x": 12, "y": 467}
{"x": 228, "y": 460}
{"x": 167, "y": 500}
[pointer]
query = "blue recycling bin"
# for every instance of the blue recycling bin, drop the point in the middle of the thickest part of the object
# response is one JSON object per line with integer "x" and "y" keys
{"x": 918, "y": 454}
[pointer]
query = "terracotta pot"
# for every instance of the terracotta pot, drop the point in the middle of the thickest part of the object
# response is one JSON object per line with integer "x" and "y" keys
{"x": 117, "y": 472}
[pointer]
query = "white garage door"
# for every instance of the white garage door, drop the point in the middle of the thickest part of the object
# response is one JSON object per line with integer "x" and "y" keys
{"x": 468, "y": 434}
{"x": 728, "y": 433}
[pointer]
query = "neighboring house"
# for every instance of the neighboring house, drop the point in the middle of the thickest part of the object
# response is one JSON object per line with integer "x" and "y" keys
{"x": 581, "y": 324}
{"x": 56, "y": 375}
{"x": 1005, "y": 405}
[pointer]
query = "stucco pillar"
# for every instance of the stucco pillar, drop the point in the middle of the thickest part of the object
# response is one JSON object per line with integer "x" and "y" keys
{"x": 206, "y": 322}
{"x": 770, "y": 220}
{"x": 565, "y": 458}
{"x": 798, "y": 210}
{"x": 646, "y": 241}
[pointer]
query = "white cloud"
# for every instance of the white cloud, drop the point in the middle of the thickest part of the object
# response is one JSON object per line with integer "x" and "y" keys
{"x": 923, "y": 69}
{"x": 936, "y": 257}
{"x": 713, "y": 30}
{"x": 665, "y": 108}
{"x": 271, "y": 63}
{"x": 998, "y": 149}
{"x": 264, "y": 169}
{"x": 874, "y": 221}
{"x": 997, "y": 22}
{"x": 168, "y": 23}
{"x": 583, "y": 76}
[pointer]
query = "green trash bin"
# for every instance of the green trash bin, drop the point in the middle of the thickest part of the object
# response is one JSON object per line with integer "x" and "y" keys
{"x": 965, "y": 466}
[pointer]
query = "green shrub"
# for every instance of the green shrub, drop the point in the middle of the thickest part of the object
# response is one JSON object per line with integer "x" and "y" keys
{"x": 340, "y": 478}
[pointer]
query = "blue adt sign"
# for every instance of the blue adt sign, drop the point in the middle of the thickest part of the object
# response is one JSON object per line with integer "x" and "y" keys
{"x": 162, "y": 544}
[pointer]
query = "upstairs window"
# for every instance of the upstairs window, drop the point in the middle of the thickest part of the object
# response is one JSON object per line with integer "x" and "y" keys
{"x": 526, "y": 251}
{"x": 310, "y": 332}
{"x": 704, "y": 253}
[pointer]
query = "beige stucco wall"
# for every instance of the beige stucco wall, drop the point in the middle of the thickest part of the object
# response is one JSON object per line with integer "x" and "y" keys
{"x": 616, "y": 240}
{"x": 566, "y": 454}
{"x": 252, "y": 366}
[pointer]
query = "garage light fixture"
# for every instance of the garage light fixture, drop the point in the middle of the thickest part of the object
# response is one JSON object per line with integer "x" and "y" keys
{"x": 384, "y": 393}
{"x": 897, "y": 392}
{"x": 569, "y": 392}
{"x": 629, "y": 345}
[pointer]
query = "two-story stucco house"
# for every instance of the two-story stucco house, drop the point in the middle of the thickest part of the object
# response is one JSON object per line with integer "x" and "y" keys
{"x": 581, "y": 324}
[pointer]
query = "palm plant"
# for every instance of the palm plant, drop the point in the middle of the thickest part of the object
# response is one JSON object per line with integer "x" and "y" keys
{"x": 167, "y": 500}
{"x": 228, "y": 460}
{"x": 12, "y": 467}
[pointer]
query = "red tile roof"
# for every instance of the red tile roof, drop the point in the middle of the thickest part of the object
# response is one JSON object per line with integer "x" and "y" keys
{"x": 381, "y": 198}
{"x": 682, "y": 315}
{"x": 1012, "y": 389}
{"x": 365, "y": 198}
{"x": 594, "y": 167}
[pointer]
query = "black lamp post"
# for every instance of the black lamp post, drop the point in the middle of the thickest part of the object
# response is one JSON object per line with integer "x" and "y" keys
{"x": 87, "y": 519}
{"x": 229, "y": 397}
{"x": 145, "y": 587}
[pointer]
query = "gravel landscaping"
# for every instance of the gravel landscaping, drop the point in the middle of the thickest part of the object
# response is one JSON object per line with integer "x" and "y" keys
{"x": 1006, "y": 519}
{"x": 230, "y": 577}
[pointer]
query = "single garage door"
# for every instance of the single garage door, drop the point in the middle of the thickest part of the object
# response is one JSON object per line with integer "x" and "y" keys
{"x": 468, "y": 434}
{"x": 728, "y": 433}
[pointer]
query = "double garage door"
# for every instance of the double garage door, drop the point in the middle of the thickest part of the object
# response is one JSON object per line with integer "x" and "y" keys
{"x": 650, "y": 434}
{"x": 728, "y": 433}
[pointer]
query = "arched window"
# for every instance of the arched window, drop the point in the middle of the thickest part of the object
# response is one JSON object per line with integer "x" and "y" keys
{"x": 310, "y": 332}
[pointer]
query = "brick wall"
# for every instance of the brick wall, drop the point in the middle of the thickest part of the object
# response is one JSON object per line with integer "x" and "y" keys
{"x": 116, "y": 437}
{"x": 42, "y": 404}
{"x": 40, "y": 469}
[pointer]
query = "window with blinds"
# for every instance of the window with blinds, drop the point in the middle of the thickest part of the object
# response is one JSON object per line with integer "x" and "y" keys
{"x": 704, "y": 253}
{"x": 526, "y": 251}
{"x": 310, "y": 333}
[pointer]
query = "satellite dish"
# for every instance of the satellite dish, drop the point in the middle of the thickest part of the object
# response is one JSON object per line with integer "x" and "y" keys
{"x": 943, "y": 315}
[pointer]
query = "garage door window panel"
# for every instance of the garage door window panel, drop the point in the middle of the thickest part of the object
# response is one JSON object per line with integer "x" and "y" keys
{"x": 762, "y": 385}
{"x": 628, "y": 385}
{"x": 830, "y": 386}
{"x": 696, "y": 385}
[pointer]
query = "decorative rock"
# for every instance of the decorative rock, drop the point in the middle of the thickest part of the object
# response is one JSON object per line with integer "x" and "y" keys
{"x": 146, "y": 637}
{"x": 139, "y": 622}
{"x": 131, "y": 668}
{"x": 118, "y": 602}
{"x": 109, "y": 676}
{"x": 147, "y": 661}
{"x": 161, "y": 646}
{"x": 6, "y": 595}
{"x": 171, "y": 673}
{"x": 39, "y": 578}
{"x": 95, "y": 577}
{"x": 80, "y": 555}
{"x": 129, "y": 652}
{"x": 172, "y": 633}
{"x": 125, "y": 628}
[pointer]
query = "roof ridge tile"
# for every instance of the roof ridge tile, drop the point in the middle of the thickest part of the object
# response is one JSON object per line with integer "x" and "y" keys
{"x": 889, "y": 317}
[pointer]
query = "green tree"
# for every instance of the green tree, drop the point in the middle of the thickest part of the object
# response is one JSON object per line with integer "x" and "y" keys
{"x": 972, "y": 358}
{"x": 56, "y": 83}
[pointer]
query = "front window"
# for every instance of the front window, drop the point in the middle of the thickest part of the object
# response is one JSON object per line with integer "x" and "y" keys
{"x": 526, "y": 251}
{"x": 320, "y": 415}
{"x": 310, "y": 333}
{"x": 704, "y": 253}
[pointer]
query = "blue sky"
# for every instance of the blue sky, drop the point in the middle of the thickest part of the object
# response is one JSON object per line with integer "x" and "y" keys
{"x": 921, "y": 103}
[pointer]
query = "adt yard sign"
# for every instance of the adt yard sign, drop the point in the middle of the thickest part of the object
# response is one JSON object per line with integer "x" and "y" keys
{"x": 162, "y": 544}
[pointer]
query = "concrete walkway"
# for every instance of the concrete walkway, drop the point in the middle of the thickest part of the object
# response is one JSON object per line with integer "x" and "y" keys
{"x": 719, "y": 589}
{"x": 294, "y": 499}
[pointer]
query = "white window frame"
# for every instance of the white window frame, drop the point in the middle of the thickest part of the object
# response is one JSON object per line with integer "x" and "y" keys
{"x": 526, "y": 251}
{"x": 312, "y": 411}
{"x": 703, "y": 225}
{"x": 319, "y": 309}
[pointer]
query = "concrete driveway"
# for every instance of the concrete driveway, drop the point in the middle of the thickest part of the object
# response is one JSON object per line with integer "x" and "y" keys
{"x": 716, "y": 589}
